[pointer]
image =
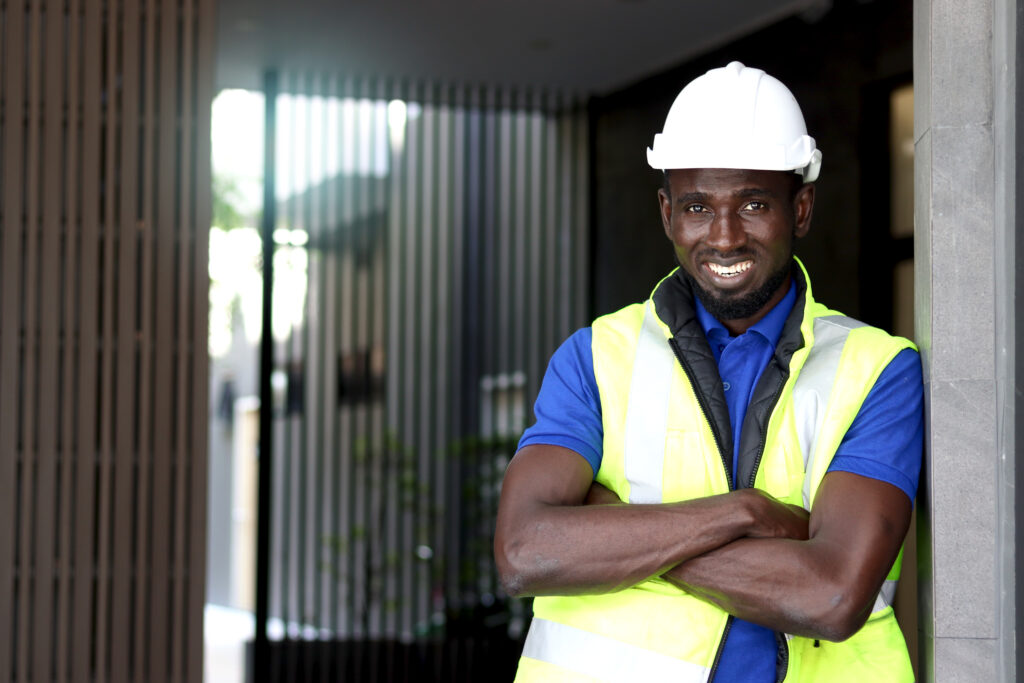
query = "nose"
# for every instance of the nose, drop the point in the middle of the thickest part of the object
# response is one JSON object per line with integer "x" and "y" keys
{"x": 726, "y": 232}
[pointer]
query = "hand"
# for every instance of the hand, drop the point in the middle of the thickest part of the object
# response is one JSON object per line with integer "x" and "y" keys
{"x": 775, "y": 519}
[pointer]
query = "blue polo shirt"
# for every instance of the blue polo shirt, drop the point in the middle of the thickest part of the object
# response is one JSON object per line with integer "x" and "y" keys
{"x": 884, "y": 442}
{"x": 749, "y": 653}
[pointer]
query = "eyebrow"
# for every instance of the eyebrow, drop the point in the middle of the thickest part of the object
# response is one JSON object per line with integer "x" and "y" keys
{"x": 753, "y": 192}
{"x": 692, "y": 197}
{"x": 744, "y": 193}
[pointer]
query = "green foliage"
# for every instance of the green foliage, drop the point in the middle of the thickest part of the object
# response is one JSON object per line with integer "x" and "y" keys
{"x": 226, "y": 199}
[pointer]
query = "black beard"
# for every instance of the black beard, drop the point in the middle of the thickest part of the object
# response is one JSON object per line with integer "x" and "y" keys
{"x": 736, "y": 308}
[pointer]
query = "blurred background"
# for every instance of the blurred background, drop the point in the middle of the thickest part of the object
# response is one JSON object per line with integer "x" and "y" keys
{"x": 287, "y": 277}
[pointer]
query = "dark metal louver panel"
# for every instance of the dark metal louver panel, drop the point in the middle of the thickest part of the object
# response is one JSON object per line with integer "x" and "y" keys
{"x": 446, "y": 259}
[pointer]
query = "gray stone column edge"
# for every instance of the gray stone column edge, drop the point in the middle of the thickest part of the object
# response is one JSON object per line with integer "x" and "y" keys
{"x": 965, "y": 58}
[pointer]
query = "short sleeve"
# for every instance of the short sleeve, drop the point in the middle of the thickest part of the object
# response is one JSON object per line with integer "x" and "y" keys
{"x": 568, "y": 407}
{"x": 885, "y": 441}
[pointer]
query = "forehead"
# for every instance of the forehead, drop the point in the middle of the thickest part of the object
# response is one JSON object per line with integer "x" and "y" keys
{"x": 729, "y": 181}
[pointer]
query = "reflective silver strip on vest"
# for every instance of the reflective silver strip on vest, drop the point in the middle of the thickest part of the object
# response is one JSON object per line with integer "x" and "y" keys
{"x": 885, "y": 596}
{"x": 814, "y": 384}
{"x": 647, "y": 411}
{"x": 810, "y": 397}
{"x": 605, "y": 658}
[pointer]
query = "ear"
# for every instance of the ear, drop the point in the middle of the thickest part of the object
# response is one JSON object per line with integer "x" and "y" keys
{"x": 665, "y": 208}
{"x": 803, "y": 207}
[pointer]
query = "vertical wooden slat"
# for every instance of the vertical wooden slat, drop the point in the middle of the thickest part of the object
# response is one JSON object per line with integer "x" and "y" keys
{"x": 581, "y": 224}
{"x": 550, "y": 208}
{"x": 108, "y": 27}
{"x": 127, "y": 568}
{"x": 566, "y": 165}
{"x": 376, "y": 434}
{"x": 164, "y": 332}
{"x": 71, "y": 338}
{"x": 202, "y": 207}
{"x": 322, "y": 393}
{"x": 186, "y": 343}
{"x": 458, "y": 131}
{"x": 141, "y": 253}
{"x": 28, "y": 592}
{"x": 442, "y": 386}
{"x": 537, "y": 351}
{"x": 88, "y": 367}
{"x": 343, "y": 476}
{"x": 11, "y": 231}
{"x": 460, "y": 348}
{"x": 290, "y": 502}
{"x": 314, "y": 359}
{"x": 300, "y": 347}
{"x": 50, "y": 210}
{"x": 267, "y": 464}
{"x": 395, "y": 373}
{"x": 285, "y": 143}
{"x": 416, "y": 503}
{"x": 334, "y": 550}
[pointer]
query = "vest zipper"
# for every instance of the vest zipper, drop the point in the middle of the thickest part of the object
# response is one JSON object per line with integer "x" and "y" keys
{"x": 704, "y": 409}
{"x": 781, "y": 671}
{"x": 781, "y": 637}
{"x": 721, "y": 647}
{"x": 764, "y": 433}
{"x": 728, "y": 473}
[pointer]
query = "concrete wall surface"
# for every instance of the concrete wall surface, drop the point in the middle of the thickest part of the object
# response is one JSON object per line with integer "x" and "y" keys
{"x": 964, "y": 76}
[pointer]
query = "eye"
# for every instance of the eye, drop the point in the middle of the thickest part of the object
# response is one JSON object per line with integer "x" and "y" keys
{"x": 696, "y": 208}
{"x": 755, "y": 206}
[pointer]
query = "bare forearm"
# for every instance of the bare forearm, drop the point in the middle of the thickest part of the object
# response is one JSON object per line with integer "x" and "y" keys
{"x": 562, "y": 550}
{"x": 785, "y": 585}
{"x": 823, "y": 587}
{"x": 548, "y": 543}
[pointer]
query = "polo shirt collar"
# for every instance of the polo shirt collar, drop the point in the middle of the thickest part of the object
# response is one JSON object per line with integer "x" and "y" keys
{"x": 769, "y": 327}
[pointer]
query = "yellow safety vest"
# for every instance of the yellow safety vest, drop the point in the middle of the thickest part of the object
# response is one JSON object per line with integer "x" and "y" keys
{"x": 660, "y": 447}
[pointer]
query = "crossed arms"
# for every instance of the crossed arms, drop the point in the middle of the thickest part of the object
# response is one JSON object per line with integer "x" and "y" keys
{"x": 759, "y": 559}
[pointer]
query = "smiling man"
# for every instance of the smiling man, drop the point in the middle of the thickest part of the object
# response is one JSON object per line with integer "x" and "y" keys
{"x": 720, "y": 478}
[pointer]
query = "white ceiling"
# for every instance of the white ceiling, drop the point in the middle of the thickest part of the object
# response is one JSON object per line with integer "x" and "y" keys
{"x": 588, "y": 46}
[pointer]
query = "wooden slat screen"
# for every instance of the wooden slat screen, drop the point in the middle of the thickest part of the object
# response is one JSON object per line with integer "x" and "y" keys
{"x": 446, "y": 259}
{"x": 104, "y": 215}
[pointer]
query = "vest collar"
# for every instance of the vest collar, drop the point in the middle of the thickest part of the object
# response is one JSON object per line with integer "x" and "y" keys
{"x": 673, "y": 300}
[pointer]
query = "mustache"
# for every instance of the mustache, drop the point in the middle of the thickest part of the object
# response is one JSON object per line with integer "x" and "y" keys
{"x": 707, "y": 252}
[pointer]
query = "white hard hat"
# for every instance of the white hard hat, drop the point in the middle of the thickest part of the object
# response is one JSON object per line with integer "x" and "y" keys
{"x": 736, "y": 117}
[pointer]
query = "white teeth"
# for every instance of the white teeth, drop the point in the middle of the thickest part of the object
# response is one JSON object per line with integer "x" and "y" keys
{"x": 729, "y": 271}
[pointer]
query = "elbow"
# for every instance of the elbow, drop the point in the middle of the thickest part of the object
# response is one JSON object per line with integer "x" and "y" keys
{"x": 839, "y": 629}
{"x": 513, "y": 584}
{"x": 526, "y": 569}
{"x": 513, "y": 575}
{"x": 510, "y": 580}
{"x": 839, "y": 617}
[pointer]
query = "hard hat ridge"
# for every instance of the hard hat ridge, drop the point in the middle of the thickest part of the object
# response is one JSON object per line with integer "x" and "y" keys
{"x": 736, "y": 117}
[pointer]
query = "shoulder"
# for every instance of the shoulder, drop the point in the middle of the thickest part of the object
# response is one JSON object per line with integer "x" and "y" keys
{"x": 624, "y": 318}
{"x": 860, "y": 342}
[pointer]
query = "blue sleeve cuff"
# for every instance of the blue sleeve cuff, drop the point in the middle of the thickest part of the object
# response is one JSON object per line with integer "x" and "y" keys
{"x": 874, "y": 469}
{"x": 592, "y": 457}
{"x": 886, "y": 439}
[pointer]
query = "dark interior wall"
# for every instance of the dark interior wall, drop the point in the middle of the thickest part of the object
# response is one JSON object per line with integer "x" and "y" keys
{"x": 836, "y": 66}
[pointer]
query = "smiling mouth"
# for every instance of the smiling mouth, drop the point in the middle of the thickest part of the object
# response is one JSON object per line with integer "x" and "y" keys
{"x": 729, "y": 271}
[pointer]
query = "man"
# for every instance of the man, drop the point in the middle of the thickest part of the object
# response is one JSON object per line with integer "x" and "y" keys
{"x": 720, "y": 479}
